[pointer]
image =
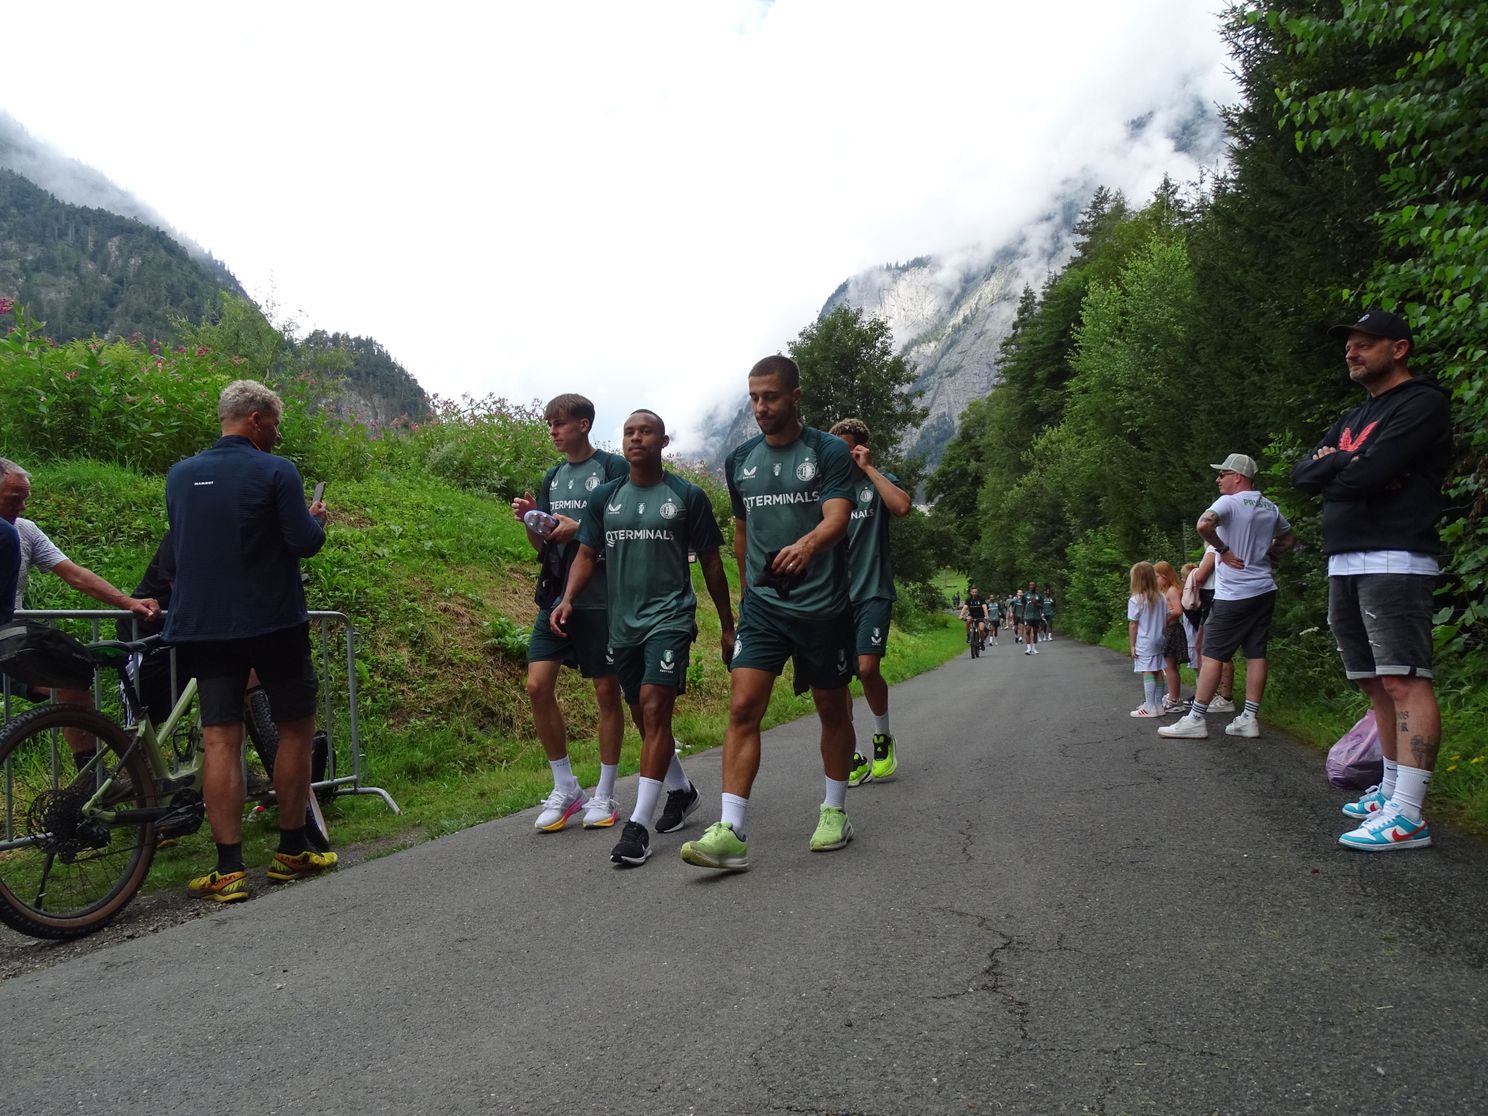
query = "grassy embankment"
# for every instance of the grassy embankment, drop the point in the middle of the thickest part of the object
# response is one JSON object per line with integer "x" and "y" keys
{"x": 439, "y": 584}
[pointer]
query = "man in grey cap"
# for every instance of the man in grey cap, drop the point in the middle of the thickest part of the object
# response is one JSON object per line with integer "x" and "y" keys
{"x": 1380, "y": 471}
{"x": 1246, "y": 530}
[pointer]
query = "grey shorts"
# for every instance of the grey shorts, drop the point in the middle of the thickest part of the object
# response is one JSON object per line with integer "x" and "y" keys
{"x": 1382, "y": 623}
{"x": 1243, "y": 625}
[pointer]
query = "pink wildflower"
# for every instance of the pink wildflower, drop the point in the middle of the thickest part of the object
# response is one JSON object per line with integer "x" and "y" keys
{"x": 72, "y": 375}
{"x": 6, "y": 305}
{"x": 201, "y": 350}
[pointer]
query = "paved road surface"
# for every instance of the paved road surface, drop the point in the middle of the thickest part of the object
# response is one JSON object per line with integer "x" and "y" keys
{"x": 1051, "y": 910}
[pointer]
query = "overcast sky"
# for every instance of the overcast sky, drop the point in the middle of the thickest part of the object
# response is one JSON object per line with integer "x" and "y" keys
{"x": 634, "y": 201}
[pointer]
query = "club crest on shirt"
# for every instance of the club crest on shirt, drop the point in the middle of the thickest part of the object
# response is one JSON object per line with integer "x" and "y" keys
{"x": 591, "y": 482}
{"x": 866, "y": 496}
{"x": 668, "y": 510}
{"x": 806, "y": 470}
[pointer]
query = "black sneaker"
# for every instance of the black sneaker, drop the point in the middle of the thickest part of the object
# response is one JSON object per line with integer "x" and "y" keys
{"x": 679, "y": 804}
{"x": 634, "y": 846}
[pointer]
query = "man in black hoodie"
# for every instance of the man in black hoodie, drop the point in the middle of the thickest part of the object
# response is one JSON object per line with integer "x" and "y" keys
{"x": 1380, "y": 471}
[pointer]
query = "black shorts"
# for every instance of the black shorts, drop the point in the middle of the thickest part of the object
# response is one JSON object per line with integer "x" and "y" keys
{"x": 281, "y": 659}
{"x": 1243, "y": 625}
{"x": 871, "y": 620}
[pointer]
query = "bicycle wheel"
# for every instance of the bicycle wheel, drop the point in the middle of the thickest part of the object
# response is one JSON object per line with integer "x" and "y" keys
{"x": 259, "y": 720}
{"x": 63, "y": 872}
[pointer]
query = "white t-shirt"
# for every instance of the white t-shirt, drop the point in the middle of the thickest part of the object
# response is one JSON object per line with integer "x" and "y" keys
{"x": 1354, "y": 563}
{"x": 36, "y": 550}
{"x": 1247, "y": 524}
{"x": 1151, "y": 617}
{"x": 1209, "y": 581}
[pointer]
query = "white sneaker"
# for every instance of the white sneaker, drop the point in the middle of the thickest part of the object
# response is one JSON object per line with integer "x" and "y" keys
{"x": 558, "y": 807}
{"x": 1243, "y": 725}
{"x": 1028, "y": 650}
{"x": 1034, "y": 650}
{"x": 602, "y": 812}
{"x": 1221, "y": 705}
{"x": 1186, "y": 728}
{"x": 1142, "y": 712}
{"x": 1169, "y": 706}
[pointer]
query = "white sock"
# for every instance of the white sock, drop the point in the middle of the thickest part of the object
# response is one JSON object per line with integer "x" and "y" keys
{"x": 676, "y": 778}
{"x": 563, "y": 776}
{"x": 1410, "y": 791}
{"x": 607, "y": 773}
{"x": 881, "y": 725}
{"x": 1149, "y": 692}
{"x": 836, "y": 793}
{"x": 734, "y": 806}
{"x": 647, "y": 794}
{"x": 1387, "y": 784}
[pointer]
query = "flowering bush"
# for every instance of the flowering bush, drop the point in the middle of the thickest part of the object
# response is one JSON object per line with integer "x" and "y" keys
{"x": 488, "y": 445}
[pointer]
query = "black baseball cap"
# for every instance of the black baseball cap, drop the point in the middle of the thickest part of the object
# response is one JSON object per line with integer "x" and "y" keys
{"x": 1376, "y": 323}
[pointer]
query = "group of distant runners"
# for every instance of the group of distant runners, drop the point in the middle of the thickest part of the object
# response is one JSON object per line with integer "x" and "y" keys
{"x": 1028, "y": 612}
{"x": 615, "y": 535}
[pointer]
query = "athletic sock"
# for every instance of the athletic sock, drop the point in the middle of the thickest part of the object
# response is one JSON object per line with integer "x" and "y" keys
{"x": 1410, "y": 791}
{"x": 1252, "y": 708}
{"x": 292, "y": 841}
{"x": 230, "y": 857}
{"x": 1197, "y": 709}
{"x": 676, "y": 778}
{"x": 607, "y": 774}
{"x": 648, "y": 792}
{"x": 563, "y": 776}
{"x": 734, "y": 806}
{"x": 881, "y": 725}
{"x": 836, "y": 793}
{"x": 1149, "y": 693}
{"x": 1387, "y": 784}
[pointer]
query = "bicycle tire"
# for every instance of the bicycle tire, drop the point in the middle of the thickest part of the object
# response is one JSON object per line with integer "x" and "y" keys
{"x": 82, "y": 873}
{"x": 259, "y": 720}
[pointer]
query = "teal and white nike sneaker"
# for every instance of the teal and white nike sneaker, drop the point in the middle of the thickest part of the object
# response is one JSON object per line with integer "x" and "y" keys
{"x": 1371, "y": 803}
{"x": 833, "y": 830}
{"x": 719, "y": 847}
{"x": 1387, "y": 831}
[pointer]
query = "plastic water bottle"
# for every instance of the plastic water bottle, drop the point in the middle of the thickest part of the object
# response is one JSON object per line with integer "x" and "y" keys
{"x": 540, "y": 523}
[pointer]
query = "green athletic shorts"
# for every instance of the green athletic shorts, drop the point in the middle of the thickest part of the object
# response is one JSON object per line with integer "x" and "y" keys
{"x": 587, "y": 645}
{"x": 871, "y": 621}
{"x": 660, "y": 661}
{"x": 820, "y": 645}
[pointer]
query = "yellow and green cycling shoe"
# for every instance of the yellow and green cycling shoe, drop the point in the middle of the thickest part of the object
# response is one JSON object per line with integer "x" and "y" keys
{"x": 219, "y": 887}
{"x": 298, "y": 866}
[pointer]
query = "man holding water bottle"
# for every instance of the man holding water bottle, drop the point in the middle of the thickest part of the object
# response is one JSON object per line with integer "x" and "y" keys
{"x": 552, "y": 528}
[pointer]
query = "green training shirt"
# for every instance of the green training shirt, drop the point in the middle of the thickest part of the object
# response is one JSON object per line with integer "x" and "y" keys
{"x": 565, "y": 490}
{"x": 645, "y": 535}
{"x": 778, "y": 492}
{"x": 870, "y": 573}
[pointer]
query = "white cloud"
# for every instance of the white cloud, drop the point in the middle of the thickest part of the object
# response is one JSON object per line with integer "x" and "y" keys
{"x": 630, "y": 200}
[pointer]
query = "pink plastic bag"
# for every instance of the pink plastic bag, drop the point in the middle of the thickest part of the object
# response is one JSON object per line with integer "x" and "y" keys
{"x": 1355, "y": 762}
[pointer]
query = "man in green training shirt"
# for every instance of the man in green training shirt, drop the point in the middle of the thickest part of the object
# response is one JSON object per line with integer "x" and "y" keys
{"x": 562, "y": 497}
{"x": 1032, "y": 604}
{"x": 645, "y": 524}
{"x": 791, "y": 490}
{"x": 871, "y": 590}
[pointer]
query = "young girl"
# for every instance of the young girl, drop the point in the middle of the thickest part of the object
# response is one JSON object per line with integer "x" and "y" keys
{"x": 1175, "y": 639}
{"x": 1146, "y": 612}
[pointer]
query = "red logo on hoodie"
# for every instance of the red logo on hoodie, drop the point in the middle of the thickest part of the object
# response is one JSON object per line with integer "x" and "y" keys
{"x": 1350, "y": 443}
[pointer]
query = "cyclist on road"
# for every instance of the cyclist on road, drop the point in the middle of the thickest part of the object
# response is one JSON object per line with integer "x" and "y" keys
{"x": 974, "y": 613}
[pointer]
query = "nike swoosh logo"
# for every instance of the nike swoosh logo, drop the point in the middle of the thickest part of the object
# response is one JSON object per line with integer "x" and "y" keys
{"x": 750, "y": 472}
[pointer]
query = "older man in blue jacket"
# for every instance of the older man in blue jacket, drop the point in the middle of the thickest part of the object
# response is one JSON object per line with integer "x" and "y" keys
{"x": 240, "y": 525}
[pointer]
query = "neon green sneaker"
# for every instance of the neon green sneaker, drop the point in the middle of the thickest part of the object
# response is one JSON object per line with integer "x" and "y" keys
{"x": 833, "y": 830}
{"x": 885, "y": 763}
{"x": 219, "y": 887}
{"x": 719, "y": 847}
{"x": 298, "y": 866}
{"x": 861, "y": 771}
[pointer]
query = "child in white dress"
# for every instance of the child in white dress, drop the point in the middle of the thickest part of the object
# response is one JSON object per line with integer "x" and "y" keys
{"x": 1147, "y": 615}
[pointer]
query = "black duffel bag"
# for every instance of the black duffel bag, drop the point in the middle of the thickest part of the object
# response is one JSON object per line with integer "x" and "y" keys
{"x": 41, "y": 655}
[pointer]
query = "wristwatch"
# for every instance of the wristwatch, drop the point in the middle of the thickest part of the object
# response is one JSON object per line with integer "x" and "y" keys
{"x": 1220, "y": 549}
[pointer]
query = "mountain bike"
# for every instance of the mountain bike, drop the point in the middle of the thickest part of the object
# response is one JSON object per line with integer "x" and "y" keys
{"x": 976, "y": 636}
{"x": 77, "y": 837}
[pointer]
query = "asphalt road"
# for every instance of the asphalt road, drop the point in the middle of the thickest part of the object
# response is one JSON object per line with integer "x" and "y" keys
{"x": 1049, "y": 910}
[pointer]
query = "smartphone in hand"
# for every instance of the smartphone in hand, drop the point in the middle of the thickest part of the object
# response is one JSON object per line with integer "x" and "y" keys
{"x": 319, "y": 492}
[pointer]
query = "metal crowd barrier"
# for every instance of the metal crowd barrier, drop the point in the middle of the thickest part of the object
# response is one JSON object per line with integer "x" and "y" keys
{"x": 322, "y": 623}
